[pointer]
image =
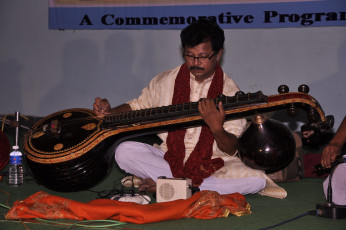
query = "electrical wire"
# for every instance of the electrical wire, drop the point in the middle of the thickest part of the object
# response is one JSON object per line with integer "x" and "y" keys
{"x": 116, "y": 194}
{"x": 106, "y": 194}
{"x": 4, "y": 206}
{"x": 5, "y": 121}
{"x": 8, "y": 199}
{"x": 86, "y": 223}
{"x": 312, "y": 212}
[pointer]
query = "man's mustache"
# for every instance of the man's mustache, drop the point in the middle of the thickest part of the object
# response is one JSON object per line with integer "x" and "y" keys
{"x": 196, "y": 68}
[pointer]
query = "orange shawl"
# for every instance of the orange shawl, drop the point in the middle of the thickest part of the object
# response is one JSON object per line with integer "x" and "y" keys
{"x": 202, "y": 205}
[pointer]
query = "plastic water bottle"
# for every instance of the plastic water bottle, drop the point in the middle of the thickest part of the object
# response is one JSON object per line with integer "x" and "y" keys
{"x": 15, "y": 174}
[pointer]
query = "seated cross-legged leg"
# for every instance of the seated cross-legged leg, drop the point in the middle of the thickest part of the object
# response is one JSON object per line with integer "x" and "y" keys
{"x": 146, "y": 161}
{"x": 142, "y": 160}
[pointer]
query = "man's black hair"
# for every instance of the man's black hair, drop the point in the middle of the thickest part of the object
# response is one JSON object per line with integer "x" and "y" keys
{"x": 201, "y": 31}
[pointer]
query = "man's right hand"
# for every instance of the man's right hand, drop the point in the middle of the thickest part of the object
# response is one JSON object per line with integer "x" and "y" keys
{"x": 101, "y": 107}
{"x": 330, "y": 152}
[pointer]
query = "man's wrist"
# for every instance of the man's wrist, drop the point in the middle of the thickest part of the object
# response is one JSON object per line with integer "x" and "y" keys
{"x": 335, "y": 144}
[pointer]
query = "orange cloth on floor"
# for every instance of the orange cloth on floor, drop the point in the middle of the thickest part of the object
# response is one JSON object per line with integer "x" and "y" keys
{"x": 202, "y": 205}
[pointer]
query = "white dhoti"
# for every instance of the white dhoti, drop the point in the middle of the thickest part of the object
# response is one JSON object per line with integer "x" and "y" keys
{"x": 144, "y": 161}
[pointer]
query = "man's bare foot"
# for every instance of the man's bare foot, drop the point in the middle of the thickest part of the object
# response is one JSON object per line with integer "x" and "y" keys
{"x": 131, "y": 181}
{"x": 147, "y": 185}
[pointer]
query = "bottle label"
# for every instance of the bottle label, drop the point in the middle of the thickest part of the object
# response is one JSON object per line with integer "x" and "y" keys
{"x": 15, "y": 157}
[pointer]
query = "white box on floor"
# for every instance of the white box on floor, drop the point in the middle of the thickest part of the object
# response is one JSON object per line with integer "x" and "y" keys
{"x": 169, "y": 189}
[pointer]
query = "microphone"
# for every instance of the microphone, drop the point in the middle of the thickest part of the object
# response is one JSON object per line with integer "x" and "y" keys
{"x": 329, "y": 209}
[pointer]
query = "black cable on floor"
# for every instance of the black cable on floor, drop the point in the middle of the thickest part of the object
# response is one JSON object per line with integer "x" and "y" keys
{"x": 312, "y": 212}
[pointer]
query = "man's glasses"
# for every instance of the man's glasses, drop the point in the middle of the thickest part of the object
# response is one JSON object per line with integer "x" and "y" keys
{"x": 199, "y": 59}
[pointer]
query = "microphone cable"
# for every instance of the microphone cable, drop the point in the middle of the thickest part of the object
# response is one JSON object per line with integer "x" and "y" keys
{"x": 311, "y": 212}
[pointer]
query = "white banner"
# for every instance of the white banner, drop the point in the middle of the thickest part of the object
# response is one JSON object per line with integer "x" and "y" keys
{"x": 176, "y": 14}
